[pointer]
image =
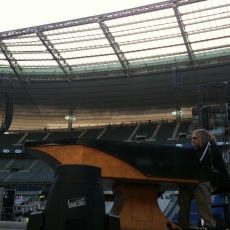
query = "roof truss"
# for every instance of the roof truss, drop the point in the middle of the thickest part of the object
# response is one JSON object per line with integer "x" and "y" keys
{"x": 141, "y": 40}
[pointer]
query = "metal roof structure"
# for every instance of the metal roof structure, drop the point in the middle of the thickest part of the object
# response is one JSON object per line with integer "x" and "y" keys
{"x": 144, "y": 39}
{"x": 148, "y": 40}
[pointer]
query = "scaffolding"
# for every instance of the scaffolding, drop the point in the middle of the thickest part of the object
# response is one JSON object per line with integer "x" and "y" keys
{"x": 224, "y": 113}
{"x": 7, "y": 204}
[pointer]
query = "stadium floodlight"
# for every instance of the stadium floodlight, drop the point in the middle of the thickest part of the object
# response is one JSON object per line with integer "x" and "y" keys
{"x": 177, "y": 112}
{"x": 68, "y": 117}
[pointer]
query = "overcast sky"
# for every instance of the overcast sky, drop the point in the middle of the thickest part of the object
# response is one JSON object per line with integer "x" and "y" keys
{"x": 17, "y": 14}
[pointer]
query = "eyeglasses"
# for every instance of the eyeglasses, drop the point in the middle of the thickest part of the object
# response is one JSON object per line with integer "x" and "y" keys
{"x": 194, "y": 138}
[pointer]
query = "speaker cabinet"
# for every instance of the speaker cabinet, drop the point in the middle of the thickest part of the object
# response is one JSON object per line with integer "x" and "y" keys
{"x": 75, "y": 200}
{"x": 8, "y": 113}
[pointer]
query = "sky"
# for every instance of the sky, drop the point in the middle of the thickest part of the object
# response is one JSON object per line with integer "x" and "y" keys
{"x": 18, "y": 14}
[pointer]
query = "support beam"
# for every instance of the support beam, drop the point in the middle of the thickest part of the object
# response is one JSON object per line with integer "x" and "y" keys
{"x": 9, "y": 57}
{"x": 184, "y": 35}
{"x": 120, "y": 55}
{"x": 94, "y": 19}
{"x": 214, "y": 85}
{"x": 48, "y": 44}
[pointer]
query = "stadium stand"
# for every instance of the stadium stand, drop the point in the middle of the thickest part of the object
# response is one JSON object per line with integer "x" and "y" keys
{"x": 26, "y": 171}
{"x": 20, "y": 163}
{"x": 4, "y": 162}
{"x": 30, "y": 176}
{"x": 9, "y": 139}
{"x": 184, "y": 128}
{"x": 91, "y": 133}
{"x": 63, "y": 135}
{"x": 166, "y": 131}
{"x": 146, "y": 130}
{"x": 35, "y": 136}
{"x": 117, "y": 133}
{"x": 43, "y": 175}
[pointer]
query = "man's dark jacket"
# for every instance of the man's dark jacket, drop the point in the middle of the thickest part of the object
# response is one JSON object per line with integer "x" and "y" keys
{"x": 213, "y": 160}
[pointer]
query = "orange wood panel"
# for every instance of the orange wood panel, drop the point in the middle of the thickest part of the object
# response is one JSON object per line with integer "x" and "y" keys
{"x": 137, "y": 207}
{"x": 111, "y": 166}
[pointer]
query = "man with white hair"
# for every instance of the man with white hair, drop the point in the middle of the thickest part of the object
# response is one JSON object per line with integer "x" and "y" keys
{"x": 210, "y": 157}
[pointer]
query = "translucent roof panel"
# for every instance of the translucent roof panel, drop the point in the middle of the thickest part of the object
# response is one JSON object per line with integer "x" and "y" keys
{"x": 3, "y": 61}
{"x": 29, "y": 52}
{"x": 158, "y": 35}
{"x": 207, "y": 25}
{"x": 148, "y": 36}
{"x": 84, "y": 45}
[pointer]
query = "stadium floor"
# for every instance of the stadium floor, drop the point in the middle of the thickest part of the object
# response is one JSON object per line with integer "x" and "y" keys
{"x": 7, "y": 225}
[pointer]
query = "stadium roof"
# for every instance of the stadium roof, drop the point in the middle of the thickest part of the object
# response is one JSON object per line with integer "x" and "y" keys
{"x": 146, "y": 40}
